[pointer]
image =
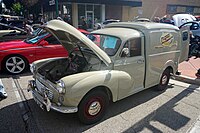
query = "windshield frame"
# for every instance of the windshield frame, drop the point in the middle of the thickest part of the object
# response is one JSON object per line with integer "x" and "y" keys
{"x": 108, "y": 35}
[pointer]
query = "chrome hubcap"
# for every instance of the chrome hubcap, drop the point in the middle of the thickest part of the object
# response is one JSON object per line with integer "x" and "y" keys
{"x": 164, "y": 79}
{"x": 15, "y": 64}
{"x": 94, "y": 108}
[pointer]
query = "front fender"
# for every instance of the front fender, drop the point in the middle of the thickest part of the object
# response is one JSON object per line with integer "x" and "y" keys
{"x": 79, "y": 85}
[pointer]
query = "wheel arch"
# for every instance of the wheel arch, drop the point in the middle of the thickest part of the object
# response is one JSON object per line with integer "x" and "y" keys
{"x": 161, "y": 87}
{"x": 10, "y": 55}
{"x": 104, "y": 89}
{"x": 93, "y": 105}
{"x": 171, "y": 69}
{"x": 7, "y": 56}
{"x": 172, "y": 65}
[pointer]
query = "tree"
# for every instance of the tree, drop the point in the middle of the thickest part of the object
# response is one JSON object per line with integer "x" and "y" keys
{"x": 17, "y": 8}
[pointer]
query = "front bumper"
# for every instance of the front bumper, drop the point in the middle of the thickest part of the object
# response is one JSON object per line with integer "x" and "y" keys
{"x": 44, "y": 102}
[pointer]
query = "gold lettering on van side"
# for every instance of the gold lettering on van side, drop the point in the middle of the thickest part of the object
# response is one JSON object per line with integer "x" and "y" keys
{"x": 167, "y": 39}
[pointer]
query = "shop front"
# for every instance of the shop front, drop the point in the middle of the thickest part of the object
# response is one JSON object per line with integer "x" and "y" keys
{"x": 73, "y": 11}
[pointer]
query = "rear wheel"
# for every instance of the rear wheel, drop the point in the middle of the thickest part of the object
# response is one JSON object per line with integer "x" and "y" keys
{"x": 15, "y": 64}
{"x": 164, "y": 80}
{"x": 93, "y": 107}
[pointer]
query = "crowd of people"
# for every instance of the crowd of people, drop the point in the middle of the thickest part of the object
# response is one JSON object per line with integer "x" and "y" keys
{"x": 165, "y": 19}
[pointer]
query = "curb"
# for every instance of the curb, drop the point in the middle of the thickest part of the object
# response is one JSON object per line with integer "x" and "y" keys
{"x": 187, "y": 79}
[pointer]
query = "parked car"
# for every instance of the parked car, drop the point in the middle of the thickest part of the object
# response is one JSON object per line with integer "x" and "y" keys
{"x": 101, "y": 25}
{"x": 194, "y": 47}
{"x": 16, "y": 23}
{"x": 194, "y": 27}
{"x": 15, "y": 56}
{"x": 197, "y": 17}
{"x": 9, "y": 17}
{"x": 140, "y": 56}
{"x": 14, "y": 33}
{"x": 180, "y": 19}
{"x": 5, "y": 28}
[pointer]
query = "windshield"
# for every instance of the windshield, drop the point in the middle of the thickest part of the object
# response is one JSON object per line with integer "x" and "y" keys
{"x": 37, "y": 31}
{"x": 109, "y": 44}
{"x": 36, "y": 39}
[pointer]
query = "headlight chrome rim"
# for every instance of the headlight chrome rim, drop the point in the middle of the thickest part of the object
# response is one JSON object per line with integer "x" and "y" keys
{"x": 61, "y": 86}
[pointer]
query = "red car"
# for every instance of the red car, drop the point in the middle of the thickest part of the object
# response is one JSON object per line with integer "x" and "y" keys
{"x": 15, "y": 56}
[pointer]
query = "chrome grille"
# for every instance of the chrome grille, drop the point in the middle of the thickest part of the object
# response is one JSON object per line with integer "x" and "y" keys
{"x": 42, "y": 89}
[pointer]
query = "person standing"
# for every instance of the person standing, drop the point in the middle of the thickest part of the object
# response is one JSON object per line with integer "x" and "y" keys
{"x": 83, "y": 23}
{"x": 40, "y": 19}
{"x": 66, "y": 19}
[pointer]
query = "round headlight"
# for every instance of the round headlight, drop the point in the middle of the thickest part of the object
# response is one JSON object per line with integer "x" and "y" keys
{"x": 61, "y": 86}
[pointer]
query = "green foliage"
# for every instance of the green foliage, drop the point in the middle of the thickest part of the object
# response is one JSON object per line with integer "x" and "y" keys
{"x": 17, "y": 8}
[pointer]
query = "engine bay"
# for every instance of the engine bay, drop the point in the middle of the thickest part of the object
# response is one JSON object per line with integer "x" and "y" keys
{"x": 77, "y": 62}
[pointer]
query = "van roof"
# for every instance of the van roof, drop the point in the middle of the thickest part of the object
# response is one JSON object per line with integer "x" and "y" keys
{"x": 142, "y": 25}
{"x": 122, "y": 33}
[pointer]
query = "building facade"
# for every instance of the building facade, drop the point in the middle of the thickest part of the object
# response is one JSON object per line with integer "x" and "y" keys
{"x": 93, "y": 10}
{"x": 124, "y": 10}
{"x": 159, "y": 8}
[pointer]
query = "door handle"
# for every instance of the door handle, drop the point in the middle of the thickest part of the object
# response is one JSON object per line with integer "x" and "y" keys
{"x": 140, "y": 61}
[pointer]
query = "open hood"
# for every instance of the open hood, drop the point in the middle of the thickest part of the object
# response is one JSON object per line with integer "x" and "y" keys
{"x": 70, "y": 36}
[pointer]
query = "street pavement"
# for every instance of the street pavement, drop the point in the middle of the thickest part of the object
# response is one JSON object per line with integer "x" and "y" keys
{"x": 188, "y": 71}
{"x": 174, "y": 110}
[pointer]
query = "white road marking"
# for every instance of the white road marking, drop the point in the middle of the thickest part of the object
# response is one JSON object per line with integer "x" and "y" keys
{"x": 182, "y": 84}
{"x": 19, "y": 100}
{"x": 14, "y": 87}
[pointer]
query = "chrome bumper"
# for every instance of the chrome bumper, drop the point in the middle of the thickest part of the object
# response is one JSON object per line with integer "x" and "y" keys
{"x": 44, "y": 102}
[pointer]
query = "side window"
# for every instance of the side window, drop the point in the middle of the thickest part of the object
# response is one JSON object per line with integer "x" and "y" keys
{"x": 52, "y": 40}
{"x": 134, "y": 46}
{"x": 185, "y": 35}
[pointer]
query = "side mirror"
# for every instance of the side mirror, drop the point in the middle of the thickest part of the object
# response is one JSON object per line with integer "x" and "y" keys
{"x": 125, "y": 52}
{"x": 43, "y": 43}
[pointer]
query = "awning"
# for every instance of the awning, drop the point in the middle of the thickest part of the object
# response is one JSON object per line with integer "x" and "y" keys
{"x": 131, "y": 3}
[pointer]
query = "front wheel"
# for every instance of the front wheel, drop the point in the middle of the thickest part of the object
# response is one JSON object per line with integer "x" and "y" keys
{"x": 93, "y": 107}
{"x": 164, "y": 80}
{"x": 15, "y": 64}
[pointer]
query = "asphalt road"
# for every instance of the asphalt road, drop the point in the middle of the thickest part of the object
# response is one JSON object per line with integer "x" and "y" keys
{"x": 174, "y": 110}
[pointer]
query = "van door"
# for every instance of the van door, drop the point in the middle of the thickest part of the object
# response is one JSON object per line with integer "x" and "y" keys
{"x": 184, "y": 45}
{"x": 134, "y": 64}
